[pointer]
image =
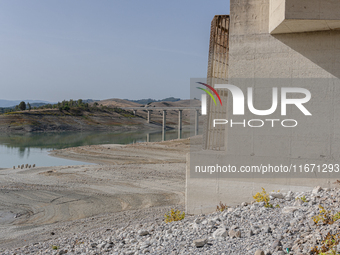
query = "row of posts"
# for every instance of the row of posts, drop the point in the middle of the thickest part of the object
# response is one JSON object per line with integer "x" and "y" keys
{"x": 179, "y": 123}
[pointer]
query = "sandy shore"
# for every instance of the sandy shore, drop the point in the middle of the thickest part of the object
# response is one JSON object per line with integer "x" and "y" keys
{"x": 130, "y": 183}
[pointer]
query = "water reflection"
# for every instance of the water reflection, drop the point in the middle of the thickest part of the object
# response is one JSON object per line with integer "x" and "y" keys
{"x": 33, "y": 148}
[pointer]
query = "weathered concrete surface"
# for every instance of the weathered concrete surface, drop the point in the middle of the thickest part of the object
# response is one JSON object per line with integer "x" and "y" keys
{"x": 255, "y": 53}
{"x": 204, "y": 194}
{"x": 291, "y": 16}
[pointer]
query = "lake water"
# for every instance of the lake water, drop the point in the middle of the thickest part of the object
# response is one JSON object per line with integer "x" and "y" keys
{"x": 33, "y": 148}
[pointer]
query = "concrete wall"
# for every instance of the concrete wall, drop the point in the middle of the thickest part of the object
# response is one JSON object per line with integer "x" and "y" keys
{"x": 288, "y": 16}
{"x": 255, "y": 53}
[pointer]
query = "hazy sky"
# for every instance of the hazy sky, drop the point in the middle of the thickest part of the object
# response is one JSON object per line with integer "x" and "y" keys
{"x": 67, "y": 49}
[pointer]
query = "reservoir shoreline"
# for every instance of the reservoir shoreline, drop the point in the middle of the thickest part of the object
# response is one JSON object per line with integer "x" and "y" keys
{"x": 130, "y": 184}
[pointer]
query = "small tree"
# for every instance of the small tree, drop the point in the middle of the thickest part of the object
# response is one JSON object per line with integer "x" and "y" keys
{"x": 29, "y": 106}
{"x": 80, "y": 102}
{"x": 66, "y": 107}
{"x": 22, "y": 106}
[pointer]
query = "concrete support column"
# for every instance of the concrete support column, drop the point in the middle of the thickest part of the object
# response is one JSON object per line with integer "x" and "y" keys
{"x": 134, "y": 112}
{"x": 148, "y": 137}
{"x": 149, "y": 116}
{"x": 196, "y": 122}
{"x": 179, "y": 124}
{"x": 164, "y": 125}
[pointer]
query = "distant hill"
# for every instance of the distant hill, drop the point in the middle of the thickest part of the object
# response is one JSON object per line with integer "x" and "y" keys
{"x": 89, "y": 101}
{"x": 173, "y": 102}
{"x": 149, "y": 100}
{"x": 12, "y": 103}
{"x": 116, "y": 102}
{"x": 37, "y": 104}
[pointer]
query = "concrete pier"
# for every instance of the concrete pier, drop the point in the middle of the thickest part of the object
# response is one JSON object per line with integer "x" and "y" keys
{"x": 149, "y": 114}
{"x": 298, "y": 39}
{"x": 196, "y": 122}
{"x": 164, "y": 125}
{"x": 179, "y": 124}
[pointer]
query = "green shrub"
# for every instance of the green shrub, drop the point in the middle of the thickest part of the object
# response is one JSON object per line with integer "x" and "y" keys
{"x": 263, "y": 197}
{"x": 174, "y": 215}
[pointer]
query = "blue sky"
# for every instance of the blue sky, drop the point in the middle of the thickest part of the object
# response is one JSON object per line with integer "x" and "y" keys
{"x": 66, "y": 49}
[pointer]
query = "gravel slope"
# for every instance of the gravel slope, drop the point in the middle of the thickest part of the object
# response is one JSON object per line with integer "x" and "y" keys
{"x": 248, "y": 228}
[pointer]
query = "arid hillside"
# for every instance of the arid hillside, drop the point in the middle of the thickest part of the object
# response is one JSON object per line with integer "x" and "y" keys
{"x": 106, "y": 115}
{"x": 50, "y": 120}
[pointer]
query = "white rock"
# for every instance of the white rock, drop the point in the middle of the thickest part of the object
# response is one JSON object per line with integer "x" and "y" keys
{"x": 225, "y": 214}
{"x": 316, "y": 190}
{"x": 289, "y": 209}
{"x": 276, "y": 195}
{"x": 197, "y": 220}
{"x": 143, "y": 232}
{"x": 220, "y": 232}
{"x": 234, "y": 233}
{"x": 195, "y": 226}
{"x": 200, "y": 242}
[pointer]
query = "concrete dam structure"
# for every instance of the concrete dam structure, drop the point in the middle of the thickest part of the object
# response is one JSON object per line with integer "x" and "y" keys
{"x": 267, "y": 48}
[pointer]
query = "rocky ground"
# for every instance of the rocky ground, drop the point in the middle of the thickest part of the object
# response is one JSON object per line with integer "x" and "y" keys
{"x": 284, "y": 225}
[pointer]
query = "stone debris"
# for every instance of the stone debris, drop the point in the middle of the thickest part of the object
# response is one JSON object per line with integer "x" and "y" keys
{"x": 143, "y": 232}
{"x": 249, "y": 228}
{"x": 199, "y": 242}
{"x": 259, "y": 252}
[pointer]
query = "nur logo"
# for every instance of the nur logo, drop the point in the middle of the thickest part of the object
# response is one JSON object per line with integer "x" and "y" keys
{"x": 204, "y": 97}
{"x": 239, "y": 104}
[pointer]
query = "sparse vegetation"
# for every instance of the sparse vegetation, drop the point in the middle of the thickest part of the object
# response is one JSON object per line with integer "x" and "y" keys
{"x": 326, "y": 216}
{"x": 263, "y": 197}
{"x": 174, "y": 215}
{"x": 303, "y": 199}
{"x": 328, "y": 245}
{"x": 54, "y": 247}
{"x": 221, "y": 207}
{"x": 330, "y": 241}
